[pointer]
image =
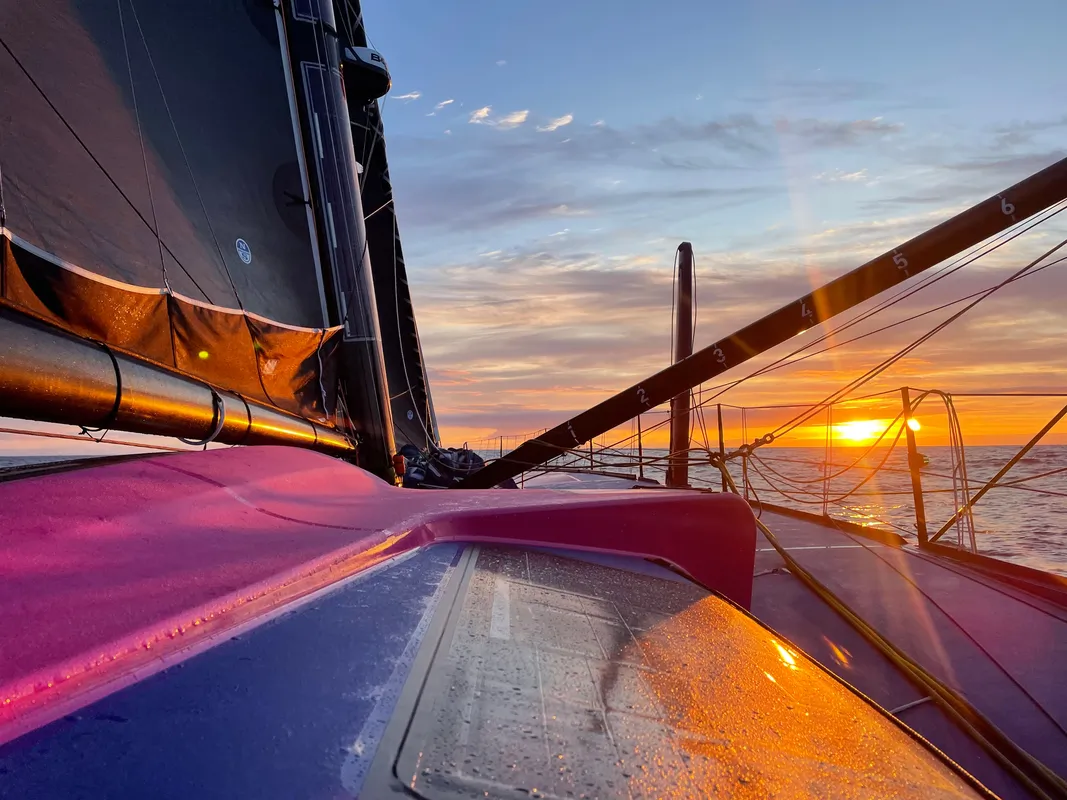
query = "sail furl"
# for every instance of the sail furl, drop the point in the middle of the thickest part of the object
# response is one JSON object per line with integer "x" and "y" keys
{"x": 50, "y": 375}
{"x": 286, "y": 366}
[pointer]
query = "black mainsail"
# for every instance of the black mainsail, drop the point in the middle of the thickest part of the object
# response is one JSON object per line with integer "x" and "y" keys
{"x": 179, "y": 192}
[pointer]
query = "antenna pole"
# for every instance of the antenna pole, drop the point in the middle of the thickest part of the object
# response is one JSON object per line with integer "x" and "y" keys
{"x": 914, "y": 464}
{"x": 640, "y": 451}
{"x": 722, "y": 444}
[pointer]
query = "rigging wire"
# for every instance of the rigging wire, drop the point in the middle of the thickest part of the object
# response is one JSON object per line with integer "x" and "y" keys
{"x": 140, "y": 137}
{"x": 888, "y": 362}
{"x": 674, "y": 301}
{"x": 971, "y": 256}
{"x": 3, "y": 210}
{"x": 95, "y": 160}
{"x": 864, "y": 481}
{"x": 874, "y": 332}
{"x": 431, "y": 444}
{"x": 185, "y": 158}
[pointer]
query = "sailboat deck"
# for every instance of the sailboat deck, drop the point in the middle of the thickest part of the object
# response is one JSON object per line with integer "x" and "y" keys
{"x": 1002, "y": 648}
{"x": 999, "y": 646}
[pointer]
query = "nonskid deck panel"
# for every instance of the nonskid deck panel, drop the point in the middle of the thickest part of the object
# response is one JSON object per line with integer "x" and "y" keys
{"x": 1001, "y": 648}
{"x": 558, "y": 678}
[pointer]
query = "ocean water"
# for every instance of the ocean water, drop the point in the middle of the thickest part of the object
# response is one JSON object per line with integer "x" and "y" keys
{"x": 10, "y": 462}
{"x": 1025, "y": 523}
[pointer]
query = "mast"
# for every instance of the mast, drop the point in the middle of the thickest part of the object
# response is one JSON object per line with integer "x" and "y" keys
{"x": 409, "y": 390}
{"x": 310, "y": 29}
{"x": 988, "y": 218}
{"x": 678, "y": 467}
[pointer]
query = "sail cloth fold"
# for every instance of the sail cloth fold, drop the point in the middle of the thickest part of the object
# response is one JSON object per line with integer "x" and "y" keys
{"x": 289, "y": 367}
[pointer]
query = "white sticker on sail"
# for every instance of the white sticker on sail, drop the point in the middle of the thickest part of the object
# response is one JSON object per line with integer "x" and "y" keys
{"x": 244, "y": 252}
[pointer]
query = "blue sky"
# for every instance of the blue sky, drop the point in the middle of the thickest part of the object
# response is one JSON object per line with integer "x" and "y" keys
{"x": 548, "y": 157}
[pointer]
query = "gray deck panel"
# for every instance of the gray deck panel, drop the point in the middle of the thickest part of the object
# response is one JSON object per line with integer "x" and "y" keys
{"x": 1027, "y": 643}
{"x": 615, "y": 684}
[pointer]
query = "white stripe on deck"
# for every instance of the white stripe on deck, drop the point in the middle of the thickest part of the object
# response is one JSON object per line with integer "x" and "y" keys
{"x": 361, "y": 752}
{"x": 500, "y": 622}
{"x": 821, "y": 547}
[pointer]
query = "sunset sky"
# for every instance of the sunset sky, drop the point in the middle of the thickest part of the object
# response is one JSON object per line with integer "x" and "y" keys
{"x": 548, "y": 157}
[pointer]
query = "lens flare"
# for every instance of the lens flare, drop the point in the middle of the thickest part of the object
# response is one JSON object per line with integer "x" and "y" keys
{"x": 860, "y": 430}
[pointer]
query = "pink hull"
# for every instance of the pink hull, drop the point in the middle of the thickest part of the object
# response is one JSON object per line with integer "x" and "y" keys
{"x": 110, "y": 573}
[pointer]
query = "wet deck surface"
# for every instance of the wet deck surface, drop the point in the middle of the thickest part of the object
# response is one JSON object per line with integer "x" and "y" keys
{"x": 560, "y": 679}
{"x": 282, "y": 711}
{"x": 1004, "y": 650}
{"x": 291, "y": 709}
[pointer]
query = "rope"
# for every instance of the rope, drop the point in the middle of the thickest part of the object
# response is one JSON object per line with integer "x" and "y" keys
{"x": 888, "y": 362}
{"x": 218, "y": 408}
{"x": 942, "y": 272}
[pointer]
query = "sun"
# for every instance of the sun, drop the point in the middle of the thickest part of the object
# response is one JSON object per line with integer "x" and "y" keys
{"x": 859, "y": 430}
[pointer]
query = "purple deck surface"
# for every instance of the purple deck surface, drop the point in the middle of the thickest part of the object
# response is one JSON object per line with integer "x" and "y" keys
{"x": 102, "y": 565}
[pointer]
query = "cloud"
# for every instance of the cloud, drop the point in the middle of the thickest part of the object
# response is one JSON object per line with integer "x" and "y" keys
{"x": 501, "y": 63}
{"x": 1022, "y": 164}
{"x": 833, "y": 133}
{"x": 448, "y": 202}
{"x": 510, "y": 120}
{"x": 840, "y": 176}
{"x": 439, "y": 106}
{"x": 557, "y": 123}
{"x": 408, "y": 97}
{"x": 550, "y": 317}
{"x": 558, "y": 281}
